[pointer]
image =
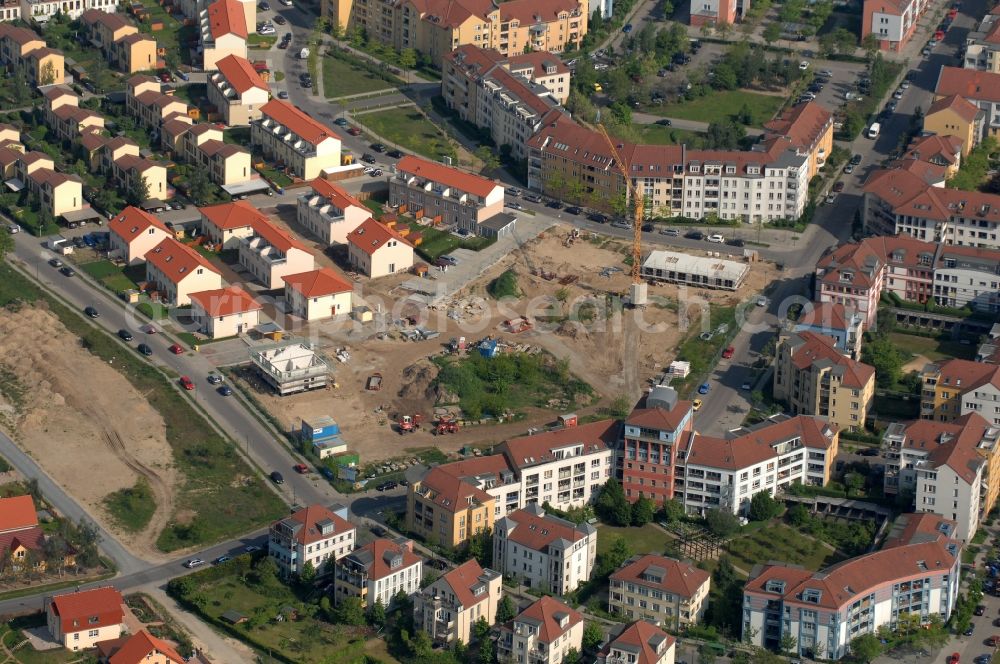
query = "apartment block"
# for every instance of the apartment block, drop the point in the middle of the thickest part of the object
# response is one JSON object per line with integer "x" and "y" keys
{"x": 24, "y": 52}
{"x": 40, "y": 11}
{"x": 844, "y": 326}
{"x": 573, "y": 163}
{"x": 447, "y": 195}
{"x": 448, "y": 608}
{"x": 716, "y": 12}
{"x": 944, "y": 466}
{"x": 292, "y": 138}
{"x": 967, "y": 277}
{"x": 227, "y": 165}
{"x": 812, "y": 377}
{"x": 120, "y": 41}
{"x": 666, "y": 592}
{"x": 312, "y": 535}
{"x": 982, "y": 88}
{"x": 648, "y": 452}
{"x": 956, "y": 116}
{"x": 543, "y": 633}
{"x": 223, "y": 30}
{"x": 57, "y": 193}
{"x": 436, "y": 27}
{"x": 639, "y": 643}
{"x": 543, "y": 551}
{"x": 237, "y": 91}
{"x": 891, "y": 22}
{"x": 329, "y": 212}
{"x": 725, "y": 473}
{"x": 378, "y": 571}
{"x": 947, "y": 387}
{"x": 808, "y": 128}
{"x": 940, "y": 150}
{"x": 916, "y": 572}
{"x": 270, "y": 253}
{"x": 982, "y": 45}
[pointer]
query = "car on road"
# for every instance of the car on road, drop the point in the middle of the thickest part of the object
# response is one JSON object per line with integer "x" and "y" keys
{"x": 838, "y": 187}
{"x": 980, "y": 610}
{"x": 67, "y": 271}
{"x": 124, "y": 335}
{"x": 282, "y": 94}
{"x": 597, "y": 218}
{"x": 215, "y": 379}
{"x": 665, "y": 122}
{"x": 704, "y": 388}
{"x": 627, "y": 28}
{"x": 736, "y": 242}
{"x": 694, "y": 235}
{"x": 826, "y": 72}
{"x": 187, "y": 383}
{"x": 176, "y": 349}
{"x": 225, "y": 391}
{"x": 194, "y": 562}
{"x": 533, "y": 198}
{"x": 301, "y": 468}
{"x": 280, "y": 20}
{"x": 222, "y": 559}
{"x": 716, "y": 238}
{"x": 672, "y": 232}
{"x": 13, "y": 228}
{"x": 555, "y": 205}
{"x": 55, "y": 262}
{"x": 394, "y": 154}
{"x": 728, "y": 353}
{"x": 745, "y": 386}
{"x": 251, "y": 548}
{"x": 144, "y": 349}
{"x": 91, "y": 312}
{"x": 696, "y": 405}
{"x": 276, "y": 477}
{"x": 761, "y": 301}
{"x": 378, "y": 147}
{"x": 327, "y": 473}
{"x": 572, "y": 209}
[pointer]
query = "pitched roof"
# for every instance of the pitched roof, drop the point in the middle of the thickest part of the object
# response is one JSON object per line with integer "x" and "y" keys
{"x": 642, "y": 639}
{"x": 376, "y": 557}
{"x": 530, "y": 12}
{"x": 964, "y": 108}
{"x": 307, "y": 524}
{"x": 371, "y": 236}
{"x": 464, "y": 580}
{"x": 334, "y": 193}
{"x": 137, "y": 648}
{"x": 89, "y": 609}
{"x": 133, "y": 222}
{"x": 953, "y": 444}
{"x": 826, "y": 315}
{"x": 16, "y": 513}
{"x": 110, "y": 21}
{"x": 536, "y": 530}
{"x": 528, "y": 451}
{"x": 299, "y": 122}
{"x": 859, "y": 260}
{"x": 20, "y": 36}
{"x": 240, "y": 73}
{"x": 818, "y": 350}
{"x": 450, "y": 177}
{"x": 449, "y": 491}
{"x": 228, "y": 216}
{"x": 546, "y": 614}
{"x": 666, "y": 574}
{"x": 539, "y": 61}
{"x": 317, "y": 283}
{"x": 176, "y": 260}
{"x": 660, "y": 418}
{"x": 936, "y": 148}
{"x": 226, "y": 17}
{"x": 969, "y": 83}
{"x": 965, "y": 374}
{"x": 742, "y": 449}
{"x": 276, "y": 237}
{"x": 803, "y": 124}
{"x": 226, "y": 301}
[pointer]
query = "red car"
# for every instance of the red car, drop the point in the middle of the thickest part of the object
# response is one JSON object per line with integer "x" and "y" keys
{"x": 838, "y": 187}
{"x": 354, "y": 131}
{"x": 176, "y": 349}
{"x": 301, "y": 468}
{"x": 728, "y": 353}
{"x": 186, "y": 383}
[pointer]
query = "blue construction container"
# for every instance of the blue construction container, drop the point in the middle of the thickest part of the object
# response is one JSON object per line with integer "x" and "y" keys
{"x": 320, "y": 429}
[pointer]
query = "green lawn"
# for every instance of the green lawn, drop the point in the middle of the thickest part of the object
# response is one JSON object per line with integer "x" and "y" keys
{"x": 194, "y": 94}
{"x": 132, "y": 507}
{"x": 718, "y": 106}
{"x": 702, "y": 354}
{"x": 408, "y": 128}
{"x": 263, "y": 42}
{"x": 437, "y": 243}
{"x": 342, "y": 78}
{"x": 933, "y": 349}
{"x": 776, "y": 541}
{"x": 646, "y": 539}
{"x": 275, "y": 176}
{"x": 10, "y": 634}
{"x": 109, "y": 274}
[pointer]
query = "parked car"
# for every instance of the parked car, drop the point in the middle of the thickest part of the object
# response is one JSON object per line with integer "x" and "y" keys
{"x": 280, "y": 20}
{"x": 554, "y": 204}
{"x": 225, "y": 391}
{"x": 694, "y": 235}
{"x": 716, "y": 238}
{"x": 194, "y": 562}
{"x": 672, "y": 232}
{"x": 187, "y": 383}
{"x": 55, "y": 262}
{"x": 666, "y": 122}
{"x": 450, "y": 260}
{"x": 368, "y": 158}
{"x": 387, "y": 486}
{"x": 378, "y": 147}
{"x": 848, "y": 169}
{"x": 573, "y": 210}
{"x": 353, "y": 131}
{"x": 394, "y": 154}
{"x": 301, "y": 468}
{"x": 704, "y": 388}
{"x": 597, "y": 218}
{"x": 969, "y": 630}
{"x": 13, "y": 228}
{"x": 145, "y": 349}
{"x": 92, "y": 312}
{"x": 826, "y": 72}
{"x": 761, "y": 301}
{"x": 327, "y": 473}
{"x": 264, "y": 6}
{"x": 340, "y": 122}
{"x": 838, "y": 186}
{"x": 282, "y": 94}
{"x": 276, "y": 477}
{"x": 67, "y": 271}
{"x": 868, "y": 452}
{"x": 696, "y": 405}
{"x": 856, "y": 159}
{"x": 124, "y": 335}
{"x": 377, "y": 173}
{"x": 627, "y": 28}
{"x": 728, "y": 353}
{"x": 176, "y": 349}
{"x": 622, "y": 224}
{"x": 533, "y": 198}
{"x": 804, "y": 65}
{"x": 736, "y": 242}
{"x": 746, "y": 385}
{"x": 980, "y": 610}
{"x": 222, "y": 559}
{"x": 215, "y": 379}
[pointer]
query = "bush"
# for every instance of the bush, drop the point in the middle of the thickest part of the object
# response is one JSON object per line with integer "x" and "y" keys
{"x": 504, "y": 286}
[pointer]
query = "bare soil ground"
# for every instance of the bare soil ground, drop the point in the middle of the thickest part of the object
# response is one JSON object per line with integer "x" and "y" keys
{"x": 596, "y": 349}
{"x": 84, "y": 422}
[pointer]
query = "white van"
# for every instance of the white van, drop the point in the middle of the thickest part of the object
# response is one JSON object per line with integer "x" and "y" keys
{"x": 874, "y": 130}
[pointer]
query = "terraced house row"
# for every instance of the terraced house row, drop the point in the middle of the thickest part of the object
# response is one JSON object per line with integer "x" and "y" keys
{"x": 24, "y": 52}
{"x": 120, "y": 41}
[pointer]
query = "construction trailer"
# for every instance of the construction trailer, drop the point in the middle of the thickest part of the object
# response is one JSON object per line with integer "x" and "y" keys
{"x": 703, "y": 271}
{"x": 291, "y": 367}
{"x": 323, "y": 433}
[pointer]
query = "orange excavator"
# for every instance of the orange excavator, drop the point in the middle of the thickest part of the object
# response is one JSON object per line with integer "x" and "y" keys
{"x": 410, "y": 423}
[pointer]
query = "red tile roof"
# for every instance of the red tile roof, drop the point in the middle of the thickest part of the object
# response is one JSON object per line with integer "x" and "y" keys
{"x": 667, "y": 574}
{"x": 19, "y": 36}
{"x": 110, "y": 21}
{"x": 240, "y": 74}
{"x": 176, "y": 260}
{"x": 450, "y": 492}
{"x": 299, "y": 122}
{"x": 744, "y": 449}
{"x": 463, "y": 579}
{"x": 17, "y": 513}
{"x": 308, "y": 522}
{"x": 138, "y": 648}
{"x": 371, "y": 236}
{"x": 660, "y": 418}
{"x": 811, "y": 349}
{"x": 549, "y": 613}
{"x": 964, "y": 108}
{"x": 804, "y": 124}
{"x": 317, "y": 283}
{"x": 966, "y": 374}
{"x": 334, "y": 193}
{"x": 278, "y": 238}
{"x": 88, "y": 609}
{"x": 537, "y": 530}
{"x": 530, "y": 12}
{"x": 946, "y": 150}
{"x": 450, "y": 177}
{"x": 539, "y": 62}
{"x": 229, "y": 216}
{"x": 969, "y": 83}
{"x": 825, "y": 315}
{"x": 226, "y": 301}
{"x": 226, "y": 17}
{"x": 907, "y": 194}
{"x": 132, "y": 222}
{"x": 953, "y": 444}
{"x": 644, "y": 636}
{"x": 531, "y": 450}
{"x": 375, "y": 556}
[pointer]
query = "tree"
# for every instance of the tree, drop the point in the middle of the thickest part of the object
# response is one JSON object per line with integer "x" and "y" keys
{"x": 481, "y": 629}
{"x": 621, "y": 113}
{"x": 481, "y": 546}
{"x": 798, "y": 515}
{"x": 506, "y": 611}
{"x": 572, "y": 656}
{"x": 408, "y": 58}
{"x": 489, "y": 157}
{"x": 350, "y": 612}
{"x": 643, "y": 511}
{"x": 763, "y": 506}
{"x": 615, "y": 557}
{"x": 593, "y": 635}
{"x": 721, "y": 522}
{"x": 199, "y": 186}
{"x": 788, "y": 644}
{"x": 376, "y": 614}
{"x": 672, "y": 510}
{"x": 772, "y": 32}
{"x": 886, "y": 358}
{"x": 855, "y": 482}
{"x": 612, "y": 506}
{"x": 725, "y": 135}
{"x": 866, "y": 647}
{"x": 138, "y": 190}
{"x": 725, "y": 77}
{"x": 486, "y": 654}
{"x": 308, "y": 573}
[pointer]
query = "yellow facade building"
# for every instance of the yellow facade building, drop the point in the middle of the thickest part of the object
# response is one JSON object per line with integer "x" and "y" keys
{"x": 956, "y": 116}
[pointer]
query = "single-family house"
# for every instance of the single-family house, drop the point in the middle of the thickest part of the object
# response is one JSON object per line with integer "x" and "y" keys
{"x": 225, "y": 312}
{"x": 175, "y": 271}
{"x": 318, "y": 294}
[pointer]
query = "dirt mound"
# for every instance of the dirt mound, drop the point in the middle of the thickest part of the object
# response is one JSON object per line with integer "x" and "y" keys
{"x": 418, "y": 381}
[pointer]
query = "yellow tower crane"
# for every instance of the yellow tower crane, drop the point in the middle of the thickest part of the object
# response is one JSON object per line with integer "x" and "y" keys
{"x": 637, "y": 292}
